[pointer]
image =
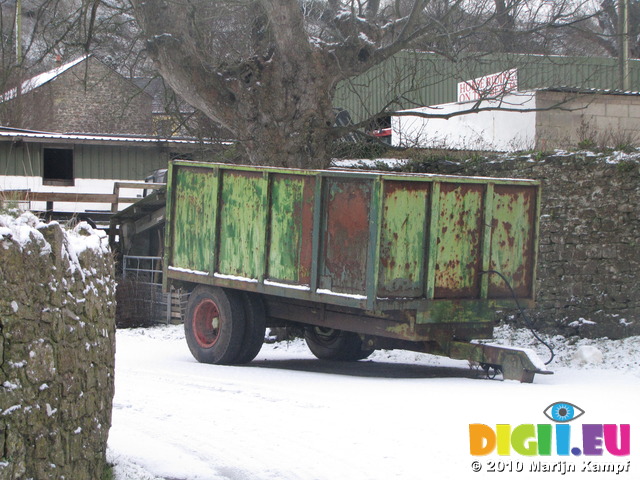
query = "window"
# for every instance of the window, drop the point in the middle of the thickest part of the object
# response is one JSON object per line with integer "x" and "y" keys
{"x": 57, "y": 166}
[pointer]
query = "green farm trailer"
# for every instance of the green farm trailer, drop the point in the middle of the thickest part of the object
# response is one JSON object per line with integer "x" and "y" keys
{"x": 362, "y": 260}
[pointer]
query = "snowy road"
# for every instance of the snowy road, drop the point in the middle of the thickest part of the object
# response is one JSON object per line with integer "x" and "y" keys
{"x": 287, "y": 416}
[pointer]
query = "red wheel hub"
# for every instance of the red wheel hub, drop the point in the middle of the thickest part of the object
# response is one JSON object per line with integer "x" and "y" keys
{"x": 206, "y": 323}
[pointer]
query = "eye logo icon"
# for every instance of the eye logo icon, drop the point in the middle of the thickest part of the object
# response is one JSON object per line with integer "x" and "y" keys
{"x": 563, "y": 412}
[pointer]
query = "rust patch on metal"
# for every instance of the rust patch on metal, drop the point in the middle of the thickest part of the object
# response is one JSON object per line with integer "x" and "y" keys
{"x": 403, "y": 240}
{"x": 459, "y": 241}
{"x": 513, "y": 240}
{"x": 346, "y": 235}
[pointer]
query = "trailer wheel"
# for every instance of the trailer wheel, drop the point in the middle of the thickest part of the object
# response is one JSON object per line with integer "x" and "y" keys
{"x": 255, "y": 327}
{"x": 214, "y": 325}
{"x": 332, "y": 344}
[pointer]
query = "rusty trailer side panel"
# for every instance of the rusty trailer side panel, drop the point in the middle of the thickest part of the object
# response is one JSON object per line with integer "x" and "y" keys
{"x": 403, "y": 242}
{"x": 291, "y": 227}
{"x": 345, "y": 235}
{"x": 368, "y": 240}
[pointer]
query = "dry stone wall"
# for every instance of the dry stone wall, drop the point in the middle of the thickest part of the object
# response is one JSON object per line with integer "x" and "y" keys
{"x": 589, "y": 262}
{"x": 57, "y": 346}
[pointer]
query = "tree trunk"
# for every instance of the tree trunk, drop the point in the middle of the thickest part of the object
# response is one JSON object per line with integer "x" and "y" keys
{"x": 277, "y": 103}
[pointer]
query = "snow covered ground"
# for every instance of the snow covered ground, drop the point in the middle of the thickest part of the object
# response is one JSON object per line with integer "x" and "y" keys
{"x": 398, "y": 415}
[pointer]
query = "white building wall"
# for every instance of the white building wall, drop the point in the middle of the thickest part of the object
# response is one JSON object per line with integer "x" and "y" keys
{"x": 493, "y": 130}
{"x": 81, "y": 186}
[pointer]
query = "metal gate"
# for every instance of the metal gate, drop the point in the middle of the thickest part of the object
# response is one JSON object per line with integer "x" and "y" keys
{"x": 143, "y": 274}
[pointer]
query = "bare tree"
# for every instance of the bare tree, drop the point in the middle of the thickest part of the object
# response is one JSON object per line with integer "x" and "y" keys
{"x": 267, "y": 70}
{"x": 603, "y": 28}
{"x": 38, "y": 33}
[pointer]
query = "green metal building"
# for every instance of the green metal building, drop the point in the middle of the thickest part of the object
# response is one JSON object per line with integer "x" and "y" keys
{"x": 418, "y": 79}
{"x": 79, "y": 171}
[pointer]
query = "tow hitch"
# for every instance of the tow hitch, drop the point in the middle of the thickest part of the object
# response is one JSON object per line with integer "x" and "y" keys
{"x": 514, "y": 363}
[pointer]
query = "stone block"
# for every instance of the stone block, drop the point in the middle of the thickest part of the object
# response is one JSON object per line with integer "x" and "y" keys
{"x": 634, "y": 110}
{"x": 595, "y": 107}
{"x": 632, "y": 124}
{"x": 606, "y": 125}
{"x": 615, "y": 109}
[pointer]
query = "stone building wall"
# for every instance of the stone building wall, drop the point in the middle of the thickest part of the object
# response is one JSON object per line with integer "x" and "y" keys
{"x": 90, "y": 97}
{"x": 588, "y": 119}
{"x": 57, "y": 347}
{"x": 589, "y": 260}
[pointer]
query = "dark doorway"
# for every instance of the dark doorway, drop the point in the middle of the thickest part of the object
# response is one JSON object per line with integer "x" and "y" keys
{"x": 57, "y": 166}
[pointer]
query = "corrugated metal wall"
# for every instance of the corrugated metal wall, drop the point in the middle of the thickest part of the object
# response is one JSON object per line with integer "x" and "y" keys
{"x": 90, "y": 161}
{"x": 123, "y": 163}
{"x": 20, "y": 159}
{"x": 412, "y": 79}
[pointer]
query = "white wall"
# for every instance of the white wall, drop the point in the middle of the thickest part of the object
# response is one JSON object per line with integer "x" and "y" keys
{"x": 495, "y": 130}
{"x": 81, "y": 185}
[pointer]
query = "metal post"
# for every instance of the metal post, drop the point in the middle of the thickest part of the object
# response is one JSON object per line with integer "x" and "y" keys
{"x": 623, "y": 56}
{"x": 18, "y": 33}
{"x": 18, "y": 115}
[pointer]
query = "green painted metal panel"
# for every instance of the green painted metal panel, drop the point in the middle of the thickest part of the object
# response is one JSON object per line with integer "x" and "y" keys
{"x": 458, "y": 256}
{"x": 486, "y": 239}
{"x": 194, "y": 193}
{"x": 21, "y": 160}
{"x": 432, "y": 253}
{"x": 373, "y": 250}
{"x": 403, "y": 240}
{"x": 452, "y": 311}
{"x": 242, "y": 223}
{"x": 512, "y": 240}
{"x": 316, "y": 239}
{"x": 290, "y": 227}
{"x": 117, "y": 163}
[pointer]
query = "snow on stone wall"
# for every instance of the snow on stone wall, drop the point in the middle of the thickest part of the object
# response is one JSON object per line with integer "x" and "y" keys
{"x": 57, "y": 346}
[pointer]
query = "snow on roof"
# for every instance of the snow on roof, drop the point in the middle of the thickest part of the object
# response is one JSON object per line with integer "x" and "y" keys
{"x": 14, "y": 134}
{"x": 601, "y": 91}
{"x": 42, "y": 78}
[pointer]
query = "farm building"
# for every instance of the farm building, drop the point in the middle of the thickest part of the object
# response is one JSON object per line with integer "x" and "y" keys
{"x": 428, "y": 83}
{"x": 110, "y": 139}
{"x": 80, "y": 173}
{"x": 417, "y": 79}
{"x": 519, "y": 121}
{"x": 83, "y": 95}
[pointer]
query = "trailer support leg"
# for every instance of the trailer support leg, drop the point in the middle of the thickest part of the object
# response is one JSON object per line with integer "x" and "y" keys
{"x": 519, "y": 364}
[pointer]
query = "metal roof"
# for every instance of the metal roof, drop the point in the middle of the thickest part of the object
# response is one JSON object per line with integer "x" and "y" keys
{"x": 40, "y": 79}
{"x": 14, "y": 134}
{"x": 413, "y": 79}
{"x": 599, "y": 91}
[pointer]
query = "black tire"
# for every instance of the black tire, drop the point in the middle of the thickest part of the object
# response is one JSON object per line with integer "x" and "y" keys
{"x": 214, "y": 325}
{"x": 255, "y": 327}
{"x": 332, "y": 344}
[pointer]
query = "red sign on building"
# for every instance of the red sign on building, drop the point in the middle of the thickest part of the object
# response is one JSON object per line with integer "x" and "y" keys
{"x": 489, "y": 86}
